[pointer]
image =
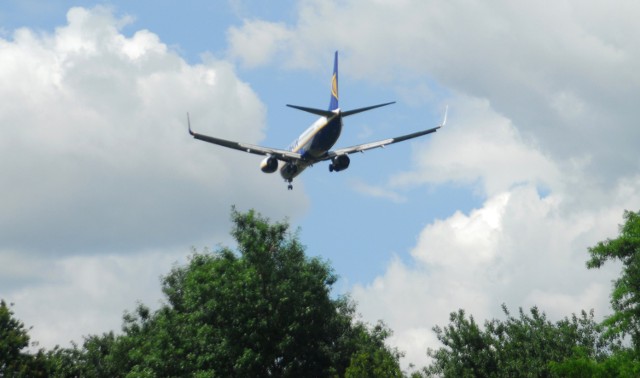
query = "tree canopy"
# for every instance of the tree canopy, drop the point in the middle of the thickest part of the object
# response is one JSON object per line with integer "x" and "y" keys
{"x": 625, "y": 297}
{"x": 507, "y": 348}
{"x": 531, "y": 345}
{"x": 263, "y": 310}
{"x": 14, "y": 339}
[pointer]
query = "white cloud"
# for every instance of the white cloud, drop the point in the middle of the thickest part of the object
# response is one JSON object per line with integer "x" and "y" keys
{"x": 518, "y": 249}
{"x": 526, "y": 245}
{"x": 102, "y": 185}
{"x": 257, "y": 42}
{"x": 96, "y": 150}
{"x": 478, "y": 144}
{"x": 86, "y": 295}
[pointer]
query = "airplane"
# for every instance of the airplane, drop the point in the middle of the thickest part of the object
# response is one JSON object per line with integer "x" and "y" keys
{"x": 315, "y": 143}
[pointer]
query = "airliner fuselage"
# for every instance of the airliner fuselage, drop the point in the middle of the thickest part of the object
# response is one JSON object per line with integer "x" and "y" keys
{"x": 312, "y": 145}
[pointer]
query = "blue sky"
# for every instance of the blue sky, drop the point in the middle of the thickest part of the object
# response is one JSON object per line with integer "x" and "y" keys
{"x": 104, "y": 190}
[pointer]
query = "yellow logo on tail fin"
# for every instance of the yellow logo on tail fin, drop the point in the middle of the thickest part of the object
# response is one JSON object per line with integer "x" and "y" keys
{"x": 334, "y": 86}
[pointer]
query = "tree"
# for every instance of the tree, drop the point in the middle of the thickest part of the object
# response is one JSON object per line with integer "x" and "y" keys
{"x": 625, "y": 298}
{"x": 467, "y": 351}
{"x": 14, "y": 338}
{"x": 523, "y": 345}
{"x": 67, "y": 362}
{"x": 624, "y": 324}
{"x": 372, "y": 358}
{"x": 265, "y": 310}
{"x": 621, "y": 363}
{"x": 576, "y": 347}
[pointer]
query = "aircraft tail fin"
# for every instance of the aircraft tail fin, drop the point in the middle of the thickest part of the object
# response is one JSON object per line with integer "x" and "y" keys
{"x": 333, "y": 104}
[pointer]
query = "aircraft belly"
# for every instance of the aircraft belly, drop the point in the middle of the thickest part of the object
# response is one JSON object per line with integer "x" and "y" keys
{"x": 290, "y": 170}
{"x": 325, "y": 139}
{"x": 313, "y": 149}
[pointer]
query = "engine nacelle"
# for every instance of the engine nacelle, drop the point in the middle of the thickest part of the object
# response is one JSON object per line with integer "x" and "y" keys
{"x": 269, "y": 165}
{"x": 339, "y": 163}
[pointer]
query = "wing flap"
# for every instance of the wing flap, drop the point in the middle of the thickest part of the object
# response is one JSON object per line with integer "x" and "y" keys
{"x": 379, "y": 144}
{"x": 384, "y": 142}
{"x": 279, "y": 154}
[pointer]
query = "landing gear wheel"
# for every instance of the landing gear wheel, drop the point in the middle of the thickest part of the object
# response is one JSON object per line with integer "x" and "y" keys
{"x": 290, "y": 187}
{"x": 330, "y": 167}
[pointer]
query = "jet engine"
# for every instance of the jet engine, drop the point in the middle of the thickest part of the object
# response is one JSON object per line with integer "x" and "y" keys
{"x": 339, "y": 163}
{"x": 269, "y": 164}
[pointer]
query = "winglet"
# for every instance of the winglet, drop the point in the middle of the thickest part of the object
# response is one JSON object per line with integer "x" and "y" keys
{"x": 444, "y": 120}
{"x": 189, "y": 124}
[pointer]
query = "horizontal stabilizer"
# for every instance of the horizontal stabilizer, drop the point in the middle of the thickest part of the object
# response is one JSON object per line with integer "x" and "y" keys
{"x": 360, "y": 110}
{"x": 329, "y": 113}
{"x": 320, "y": 112}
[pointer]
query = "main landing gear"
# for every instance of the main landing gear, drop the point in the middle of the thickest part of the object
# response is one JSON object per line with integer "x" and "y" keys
{"x": 290, "y": 186}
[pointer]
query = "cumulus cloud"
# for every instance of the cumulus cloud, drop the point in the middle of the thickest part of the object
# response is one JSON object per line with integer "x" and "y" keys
{"x": 526, "y": 245}
{"x": 481, "y": 145}
{"x": 96, "y": 140}
{"x": 83, "y": 295}
{"x": 100, "y": 177}
{"x": 257, "y": 42}
{"x": 518, "y": 248}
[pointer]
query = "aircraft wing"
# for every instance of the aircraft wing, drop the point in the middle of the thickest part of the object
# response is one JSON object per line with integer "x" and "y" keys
{"x": 380, "y": 143}
{"x": 279, "y": 154}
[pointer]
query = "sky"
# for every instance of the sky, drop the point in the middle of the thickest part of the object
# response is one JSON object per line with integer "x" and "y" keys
{"x": 103, "y": 190}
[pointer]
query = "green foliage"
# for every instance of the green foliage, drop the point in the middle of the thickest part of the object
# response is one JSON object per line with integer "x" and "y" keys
{"x": 265, "y": 310}
{"x": 531, "y": 345}
{"x": 624, "y": 324}
{"x": 523, "y": 345}
{"x": 372, "y": 358}
{"x": 66, "y": 362}
{"x": 621, "y": 363}
{"x": 14, "y": 338}
{"x": 625, "y": 298}
{"x": 467, "y": 350}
